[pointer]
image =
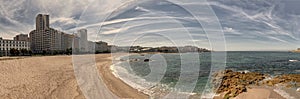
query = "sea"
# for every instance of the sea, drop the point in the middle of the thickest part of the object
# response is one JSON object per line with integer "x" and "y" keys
{"x": 190, "y": 73}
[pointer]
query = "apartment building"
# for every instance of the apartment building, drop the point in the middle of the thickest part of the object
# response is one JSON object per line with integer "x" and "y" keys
{"x": 6, "y": 45}
{"x": 44, "y": 38}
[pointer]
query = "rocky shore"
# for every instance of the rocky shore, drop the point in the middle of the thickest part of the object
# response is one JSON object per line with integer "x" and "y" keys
{"x": 288, "y": 80}
{"x": 235, "y": 83}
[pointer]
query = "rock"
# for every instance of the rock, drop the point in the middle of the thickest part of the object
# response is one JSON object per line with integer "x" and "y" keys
{"x": 289, "y": 80}
{"x": 270, "y": 83}
{"x": 235, "y": 83}
{"x": 146, "y": 60}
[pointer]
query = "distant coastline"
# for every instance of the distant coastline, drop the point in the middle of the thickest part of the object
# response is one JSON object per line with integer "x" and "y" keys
{"x": 296, "y": 51}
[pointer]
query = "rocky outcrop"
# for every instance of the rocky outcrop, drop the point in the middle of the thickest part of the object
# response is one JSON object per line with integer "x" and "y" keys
{"x": 288, "y": 80}
{"x": 234, "y": 83}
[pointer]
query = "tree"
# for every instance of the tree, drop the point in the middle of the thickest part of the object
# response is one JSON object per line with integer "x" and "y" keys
{"x": 30, "y": 52}
{"x": 24, "y": 51}
{"x": 14, "y": 52}
{"x": 44, "y": 52}
{"x": 69, "y": 51}
{"x": 17, "y": 52}
{"x": 1, "y": 52}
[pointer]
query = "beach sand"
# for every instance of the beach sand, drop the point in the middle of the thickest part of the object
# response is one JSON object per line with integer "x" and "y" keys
{"x": 257, "y": 93}
{"x": 260, "y": 93}
{"x": 52, "y": 77}
{"x": 117, "y": 86}
{"x": 49, "y": 77}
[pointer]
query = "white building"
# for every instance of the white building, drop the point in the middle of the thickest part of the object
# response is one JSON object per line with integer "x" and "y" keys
{"x": 188, "y": 49}
{"x": 83, "y": 41}
{"x": 6, "y": 45}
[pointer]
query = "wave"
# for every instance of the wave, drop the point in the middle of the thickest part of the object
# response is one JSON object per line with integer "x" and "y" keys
{"x": 293, "y": 60}
{"x": 132, "y": 80}
{"x": 123, "y": 71}
{"x": 146, "y": 87}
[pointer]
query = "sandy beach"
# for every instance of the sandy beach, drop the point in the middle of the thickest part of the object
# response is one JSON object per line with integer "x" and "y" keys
{"x": 117, "y": 86}
{"x": 52, "y": 77}
{"x": 257, "y": 93}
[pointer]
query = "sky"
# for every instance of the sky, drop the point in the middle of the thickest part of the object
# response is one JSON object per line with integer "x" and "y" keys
{"x": 246, "y": 25}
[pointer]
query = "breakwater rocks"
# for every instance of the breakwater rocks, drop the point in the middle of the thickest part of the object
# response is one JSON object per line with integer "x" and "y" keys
{"x": 234, "y": 83}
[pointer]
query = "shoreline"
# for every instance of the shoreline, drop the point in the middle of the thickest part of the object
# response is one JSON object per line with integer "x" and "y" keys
{"x": 53, "y": 76}
{"x": 268, "y": 91}
{"x": 115, "y": 84}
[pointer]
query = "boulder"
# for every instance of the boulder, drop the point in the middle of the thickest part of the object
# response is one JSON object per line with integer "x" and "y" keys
{"x": 146, "y": 60}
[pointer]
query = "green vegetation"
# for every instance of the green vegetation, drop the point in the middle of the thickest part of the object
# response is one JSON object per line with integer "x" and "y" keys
{"x": 21, "y": 52}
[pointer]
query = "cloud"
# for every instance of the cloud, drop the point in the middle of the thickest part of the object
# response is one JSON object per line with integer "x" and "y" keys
{"x": 64, "y": 20}
{"x": 227, "y": 29}
{"x": 141, "y": 9}
{"x": 261, "y": 21}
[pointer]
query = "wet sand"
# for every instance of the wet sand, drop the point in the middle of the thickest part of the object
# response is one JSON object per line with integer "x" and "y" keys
{"x": 116, "y": 85}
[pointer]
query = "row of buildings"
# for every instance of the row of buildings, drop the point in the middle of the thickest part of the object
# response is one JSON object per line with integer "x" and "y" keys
{"x": 163, "y": 49}
{"x": 45, "y": 39}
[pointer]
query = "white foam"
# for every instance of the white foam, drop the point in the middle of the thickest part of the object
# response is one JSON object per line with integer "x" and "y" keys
{"x": 139, "y": 83}
{"x": 293, "y": 60}
{"x": 209, "y": 95}
{"x": 283, "y": 93}
{"x": 132, "y": 80}
{"x": 245, "y": 71}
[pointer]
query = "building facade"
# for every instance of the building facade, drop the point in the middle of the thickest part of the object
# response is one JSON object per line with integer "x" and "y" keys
{"x": 46, "y": 39}
{"x": 83, "y": 40}
{"x": 6, "y": 45}
{"x": 21, "y": 37}
{"x": 101, "y": 47}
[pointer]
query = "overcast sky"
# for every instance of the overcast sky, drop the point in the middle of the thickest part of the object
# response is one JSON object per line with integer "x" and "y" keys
{"x": 246, "y": 24}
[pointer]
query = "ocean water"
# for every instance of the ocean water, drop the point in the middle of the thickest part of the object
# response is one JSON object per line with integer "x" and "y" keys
{"x": 189, "y": 73}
